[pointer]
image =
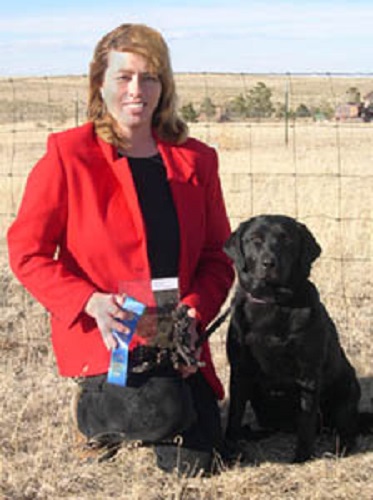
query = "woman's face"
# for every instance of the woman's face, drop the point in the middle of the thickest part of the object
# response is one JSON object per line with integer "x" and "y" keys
{"x": 130, "y": 90}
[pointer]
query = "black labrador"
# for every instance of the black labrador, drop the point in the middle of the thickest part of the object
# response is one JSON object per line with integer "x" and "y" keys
{"x": 282, "y": 345}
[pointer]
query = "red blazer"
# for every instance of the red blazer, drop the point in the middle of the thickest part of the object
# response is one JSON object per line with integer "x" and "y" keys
{"x": 80, "y": 229}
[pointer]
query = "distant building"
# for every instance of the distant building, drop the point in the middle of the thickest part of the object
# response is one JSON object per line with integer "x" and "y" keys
{"x": 348, "y": 111}
{"x": 356, "y": 111}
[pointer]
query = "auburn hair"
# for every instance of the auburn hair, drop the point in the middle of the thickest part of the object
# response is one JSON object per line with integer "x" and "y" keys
{"x": 149, "y": 43}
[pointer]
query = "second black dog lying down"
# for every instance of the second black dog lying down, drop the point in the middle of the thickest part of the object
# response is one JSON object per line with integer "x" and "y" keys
{"x": 283, "y": 347}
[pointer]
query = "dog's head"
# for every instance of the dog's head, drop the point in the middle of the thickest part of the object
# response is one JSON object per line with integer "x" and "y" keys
{"x": 272, "y": 253}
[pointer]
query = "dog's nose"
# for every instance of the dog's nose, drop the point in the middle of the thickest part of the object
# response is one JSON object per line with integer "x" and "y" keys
{"x": 268, "y": 262}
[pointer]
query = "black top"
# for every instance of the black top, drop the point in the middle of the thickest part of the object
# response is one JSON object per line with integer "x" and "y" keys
{"x": 158, "y": 210}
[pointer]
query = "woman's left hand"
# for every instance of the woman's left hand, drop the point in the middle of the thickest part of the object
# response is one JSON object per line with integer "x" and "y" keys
{"x": 187, "y": 370}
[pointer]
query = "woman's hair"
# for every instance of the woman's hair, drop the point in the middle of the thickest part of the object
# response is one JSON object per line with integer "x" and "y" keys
{"x": 149, "y": 43}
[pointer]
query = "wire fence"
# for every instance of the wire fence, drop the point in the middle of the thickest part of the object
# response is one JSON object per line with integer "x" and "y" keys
{"x": 315, "y": 165}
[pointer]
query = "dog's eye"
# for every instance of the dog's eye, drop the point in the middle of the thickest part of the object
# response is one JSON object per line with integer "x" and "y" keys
{"x": 286, "y": 239}
{"x": 256, "y": 239}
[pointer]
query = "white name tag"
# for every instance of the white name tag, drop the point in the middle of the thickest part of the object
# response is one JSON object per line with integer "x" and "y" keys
{"x": 161, "y": 284}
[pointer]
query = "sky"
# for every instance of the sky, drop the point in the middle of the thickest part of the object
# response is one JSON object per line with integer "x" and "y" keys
{"x": 46, "y": 37}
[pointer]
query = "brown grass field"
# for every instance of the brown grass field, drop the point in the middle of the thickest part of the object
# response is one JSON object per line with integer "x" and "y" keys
{"x": 323, "y": 176}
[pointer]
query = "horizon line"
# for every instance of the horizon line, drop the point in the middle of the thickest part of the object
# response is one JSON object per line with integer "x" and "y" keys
{"x": 264, "y": 73}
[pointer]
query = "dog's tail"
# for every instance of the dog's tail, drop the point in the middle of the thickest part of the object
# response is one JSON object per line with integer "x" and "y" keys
{"x": 365, "y": 422}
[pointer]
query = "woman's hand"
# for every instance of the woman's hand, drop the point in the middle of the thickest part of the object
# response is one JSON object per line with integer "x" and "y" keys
{"x": 105, "y": 309}
{"x": 187, "y": 370}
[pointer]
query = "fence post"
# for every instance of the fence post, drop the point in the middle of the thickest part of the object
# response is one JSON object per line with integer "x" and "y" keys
{"x": 76, "y": 109}
{"x": 286, "y": 112}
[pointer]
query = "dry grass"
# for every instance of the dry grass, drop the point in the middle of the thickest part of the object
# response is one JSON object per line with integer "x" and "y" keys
{"x": 37, "y": 454}
{"x": 323, "y": 176}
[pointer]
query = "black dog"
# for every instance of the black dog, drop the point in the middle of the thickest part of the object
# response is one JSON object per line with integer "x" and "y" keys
{"x": 283, "y": 347}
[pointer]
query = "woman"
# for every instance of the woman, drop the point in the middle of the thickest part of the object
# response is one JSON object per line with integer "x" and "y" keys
{"x": 128, "y": 198}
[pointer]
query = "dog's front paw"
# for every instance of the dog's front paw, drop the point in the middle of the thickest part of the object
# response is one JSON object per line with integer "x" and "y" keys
{"x": 345, "y": 446}
{"x": 302, "y": 455}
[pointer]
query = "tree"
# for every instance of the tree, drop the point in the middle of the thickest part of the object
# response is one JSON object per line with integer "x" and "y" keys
{"x": 188, "y": 113}
{"x": 207, "y": 108}
{"x": 258, "y": 101}
{"x": 280, "y": 111}
{"x": 302, "y": 111}
{"x": 237, "y": 107}
{"x": 353, "y": 95}
{"x": 324, "y": 111}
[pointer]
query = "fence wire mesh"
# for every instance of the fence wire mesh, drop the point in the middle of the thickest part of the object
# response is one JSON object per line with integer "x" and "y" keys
{"x": 315, "y": 167}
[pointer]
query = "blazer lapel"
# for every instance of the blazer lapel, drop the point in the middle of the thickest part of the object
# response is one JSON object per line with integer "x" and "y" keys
{"x": 180, "y": 166}
{"x": 122, "y": 172}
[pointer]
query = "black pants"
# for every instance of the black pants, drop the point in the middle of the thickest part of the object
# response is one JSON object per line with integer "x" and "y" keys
{"x": 155, "y": 407}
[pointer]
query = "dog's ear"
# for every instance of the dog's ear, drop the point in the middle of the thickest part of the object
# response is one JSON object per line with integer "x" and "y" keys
{"x": 233, "y": 248}
{"x": 310, "y": 249}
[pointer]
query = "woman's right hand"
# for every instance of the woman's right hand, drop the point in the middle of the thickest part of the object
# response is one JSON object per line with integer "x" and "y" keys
{"x": 105, "y": 309}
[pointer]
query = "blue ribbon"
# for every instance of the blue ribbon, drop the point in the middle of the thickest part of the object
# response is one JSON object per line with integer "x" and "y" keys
{"x": 118, "y": 368}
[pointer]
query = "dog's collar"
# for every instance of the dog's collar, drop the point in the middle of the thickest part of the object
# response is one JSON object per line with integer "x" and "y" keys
{"x": 282, "y": 297}
{"x": 256, "y": 300}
